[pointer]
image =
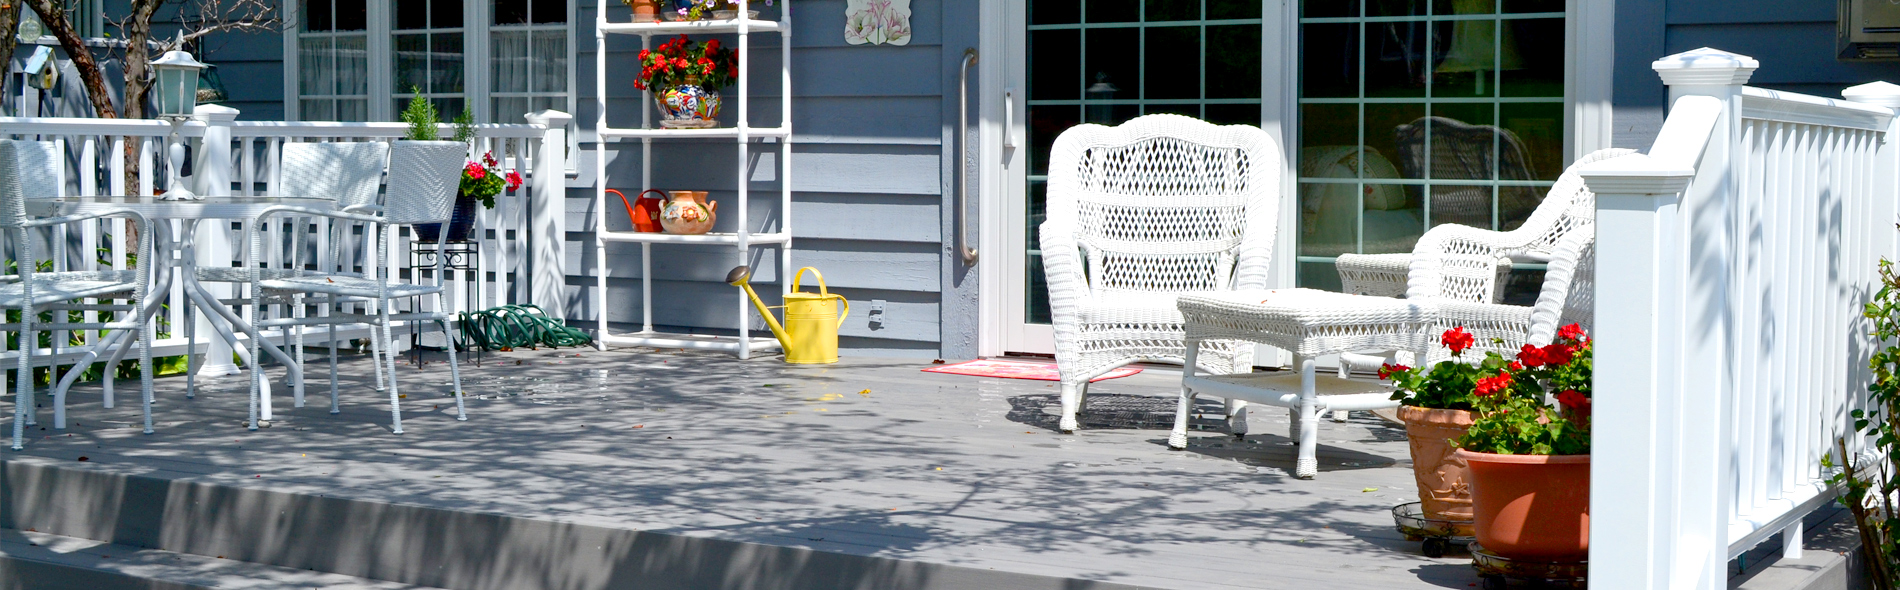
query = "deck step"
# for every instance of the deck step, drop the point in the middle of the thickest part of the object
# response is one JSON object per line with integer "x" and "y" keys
{"x": 40, "y": 561}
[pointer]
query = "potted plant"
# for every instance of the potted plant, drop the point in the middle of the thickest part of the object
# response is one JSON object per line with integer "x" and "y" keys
{"x": 1437, "y": 409}
{"x": 1529, "y": 460}
{"x": 481, "y": 180}
{"x": 645, "y": 11}
{"x": 714, "y": 9}
{"x": 685, "y": 77}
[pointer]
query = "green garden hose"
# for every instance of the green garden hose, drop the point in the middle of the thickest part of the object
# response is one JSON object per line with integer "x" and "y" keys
{"x": 514, "y": 326}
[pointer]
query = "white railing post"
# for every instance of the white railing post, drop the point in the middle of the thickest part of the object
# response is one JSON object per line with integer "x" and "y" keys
{"x": 211, "y": 176}
{"x": 548, "y": 215}
{"x": 1886, "y": 177}
{"x": 1634, "y": 442}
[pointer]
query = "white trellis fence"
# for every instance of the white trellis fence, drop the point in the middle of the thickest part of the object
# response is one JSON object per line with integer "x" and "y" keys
{"x": 1733, "y": 260}
{"x": 520, "y": 239}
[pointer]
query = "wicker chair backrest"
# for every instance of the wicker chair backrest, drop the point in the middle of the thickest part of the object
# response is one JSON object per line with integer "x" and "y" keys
{"x": 1166, "y": 202}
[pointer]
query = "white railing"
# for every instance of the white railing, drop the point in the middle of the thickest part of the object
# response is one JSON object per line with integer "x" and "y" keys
{"x": 1733, "y": 260}
{"x": 520, "y": 239}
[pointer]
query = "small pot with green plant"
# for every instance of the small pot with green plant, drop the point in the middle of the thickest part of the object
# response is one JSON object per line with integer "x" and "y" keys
{"x": 482, "y": 180}
{"x": 1530, "y": 460}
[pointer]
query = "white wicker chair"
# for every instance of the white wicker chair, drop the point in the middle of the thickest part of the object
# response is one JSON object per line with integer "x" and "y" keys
{"x": 423, "y": 178}
{"x": 1567, "y": 205}
{"x": 1138, "y": 214}
{"x": 31, "y": 292}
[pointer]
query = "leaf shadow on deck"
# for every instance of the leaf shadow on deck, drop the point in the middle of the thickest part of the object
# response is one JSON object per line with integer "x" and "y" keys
{"x": 762, "y": 473}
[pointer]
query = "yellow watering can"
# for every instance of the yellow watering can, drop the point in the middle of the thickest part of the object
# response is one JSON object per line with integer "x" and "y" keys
{"x": 810, "y": 333}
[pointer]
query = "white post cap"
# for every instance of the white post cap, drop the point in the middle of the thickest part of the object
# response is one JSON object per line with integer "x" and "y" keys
{"x": 1635, "y": 174}
{"x": 214, "y": 113}
{"x": 549, "y": 118}
{"x": 1876, "y": 93}
{"x": 1705, "y": 67}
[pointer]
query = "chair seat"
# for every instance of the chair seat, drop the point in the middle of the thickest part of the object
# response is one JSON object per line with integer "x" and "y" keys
{"x": 1129, "y": 307}
{"x": 346, "y": 285}
{"x": 242, "y": 275}
{"x": 52, "y": 291}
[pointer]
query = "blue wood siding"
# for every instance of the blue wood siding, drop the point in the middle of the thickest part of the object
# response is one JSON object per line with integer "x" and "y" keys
{"x": 1793, "y": 39}
{"x": 867, "y": 174}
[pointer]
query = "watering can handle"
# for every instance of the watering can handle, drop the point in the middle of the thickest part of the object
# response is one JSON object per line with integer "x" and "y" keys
{"x": 800, "y": 277}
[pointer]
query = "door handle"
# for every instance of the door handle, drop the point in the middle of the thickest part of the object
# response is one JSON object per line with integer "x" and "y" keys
{"x": 1009, "y": 118}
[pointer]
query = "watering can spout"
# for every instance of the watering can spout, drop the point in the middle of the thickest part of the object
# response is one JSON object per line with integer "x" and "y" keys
{"x": 741, "y": 277}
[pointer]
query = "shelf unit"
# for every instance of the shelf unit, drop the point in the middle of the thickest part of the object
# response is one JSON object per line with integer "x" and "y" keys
{"x": 743, "y": 134}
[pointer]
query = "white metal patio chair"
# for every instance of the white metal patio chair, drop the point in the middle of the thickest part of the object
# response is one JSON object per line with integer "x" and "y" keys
{"x": 1567, "y": 205}
{"x": 1139, "y": 214}
{"x": 349, "y": 172}
{"x": 31, "y": 292}
{"x": 423, "y": 179}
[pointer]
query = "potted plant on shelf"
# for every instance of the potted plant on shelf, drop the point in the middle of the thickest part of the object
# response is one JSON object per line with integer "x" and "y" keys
{"x": 480, "y": 180}
{"x": 714, "y": 9}
{"x": 1437, "y": 408}
{"x": 1529, "y": 460}
{"x": 685, "y": 77}
{"x": 645, "y": 11}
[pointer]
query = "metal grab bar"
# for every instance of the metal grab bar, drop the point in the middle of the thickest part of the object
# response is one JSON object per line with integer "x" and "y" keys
{"x": 963, "y": 167}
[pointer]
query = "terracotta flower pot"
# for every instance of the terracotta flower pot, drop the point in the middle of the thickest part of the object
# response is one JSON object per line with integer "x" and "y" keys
{"x": 1531, "y": 507}
{"x": 645, "y": 11}
{"x": 1443, "y": 488}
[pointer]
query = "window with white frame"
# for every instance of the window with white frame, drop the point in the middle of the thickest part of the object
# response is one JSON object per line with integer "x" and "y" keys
{"x": 527, "y": 56}
{"x": 333, "y": 61}
{"x": 347, "y": 52}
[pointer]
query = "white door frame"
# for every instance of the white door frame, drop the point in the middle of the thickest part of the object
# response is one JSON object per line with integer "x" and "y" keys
{"x": 1589, "y": 73}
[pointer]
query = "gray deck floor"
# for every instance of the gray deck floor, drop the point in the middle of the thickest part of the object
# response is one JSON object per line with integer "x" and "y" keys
{"x": 869, "y": 457}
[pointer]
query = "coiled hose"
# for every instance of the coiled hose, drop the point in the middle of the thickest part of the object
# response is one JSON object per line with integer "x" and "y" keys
{"x": 514, "y": 326}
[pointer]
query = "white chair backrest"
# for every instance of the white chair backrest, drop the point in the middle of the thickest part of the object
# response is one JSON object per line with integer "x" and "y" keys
{"x": 12, "y": 200}
{"x": 1167, "y": 203}
{"x": 42, "y": 168}
{"x": 423, "y": 179}
{"x": 349, "y": 172}
{"x": 1456, "y": 262}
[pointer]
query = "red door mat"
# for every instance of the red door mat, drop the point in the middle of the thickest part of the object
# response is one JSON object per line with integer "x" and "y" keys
{"x": 1020, "y": 370}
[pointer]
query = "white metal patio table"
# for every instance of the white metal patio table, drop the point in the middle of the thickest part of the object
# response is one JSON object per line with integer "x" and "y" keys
{"x": 179, "y": 252}
{"x": 1307, "y": 323}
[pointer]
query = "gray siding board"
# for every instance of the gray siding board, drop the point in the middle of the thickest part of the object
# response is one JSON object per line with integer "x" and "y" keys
{"x": 833, "y": 168}
{"x": 712, "y": 307}
{"x": 850, "y": 264}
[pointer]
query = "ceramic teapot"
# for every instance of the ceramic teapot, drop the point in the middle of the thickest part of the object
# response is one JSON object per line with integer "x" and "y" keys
{"x": 687, "y": 213}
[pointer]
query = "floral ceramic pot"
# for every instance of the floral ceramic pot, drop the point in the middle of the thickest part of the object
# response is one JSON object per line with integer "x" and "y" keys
{"x": 688, "y": 213}
{"x": 688, "y": 106}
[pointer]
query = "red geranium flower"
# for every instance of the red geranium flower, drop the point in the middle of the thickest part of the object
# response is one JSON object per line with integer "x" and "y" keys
{"x": 475, "y": 171}
{"x": 1387, "y": 370}
{"x": 1516, "y": 366}
{"x": 514, "y": 180}
{"x": 1558, "y": 354}
{"x": 1572, "y": 332}
{"x": 1531, "y": 356}
{"x": 1457, "y": 339}
{"x": 1494, "y": 384}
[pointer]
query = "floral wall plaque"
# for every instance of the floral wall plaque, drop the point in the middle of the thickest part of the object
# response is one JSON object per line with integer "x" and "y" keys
{"x": 877, "y": 22}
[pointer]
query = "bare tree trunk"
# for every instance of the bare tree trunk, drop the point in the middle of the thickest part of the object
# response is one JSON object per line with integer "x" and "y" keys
{"x": 53, "y": 16}
{"x": 9, "y": 40}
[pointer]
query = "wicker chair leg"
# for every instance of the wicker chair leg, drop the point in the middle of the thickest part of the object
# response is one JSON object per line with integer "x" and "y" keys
{"x": 1236, "y": 411}
{"x": 1183, "y": 412}
{"x": 1307, "y": 465}
{"x": 1071, "y": 406}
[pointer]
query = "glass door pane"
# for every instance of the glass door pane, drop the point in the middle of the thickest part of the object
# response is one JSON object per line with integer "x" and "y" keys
{"x": 1416, "y": 113}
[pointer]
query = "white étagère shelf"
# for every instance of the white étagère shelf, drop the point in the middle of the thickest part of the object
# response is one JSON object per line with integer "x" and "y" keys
{"x": 743, "y": 135}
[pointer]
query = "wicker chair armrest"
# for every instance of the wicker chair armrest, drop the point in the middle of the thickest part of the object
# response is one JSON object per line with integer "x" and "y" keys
{"x": 1379, "y": 275}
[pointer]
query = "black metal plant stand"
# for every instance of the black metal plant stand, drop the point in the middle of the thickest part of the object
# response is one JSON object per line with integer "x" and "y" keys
{"x": 458, "y": 259}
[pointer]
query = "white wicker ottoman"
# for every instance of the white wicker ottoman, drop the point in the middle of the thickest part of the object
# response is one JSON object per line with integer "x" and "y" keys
{"x": 1309, "y": 323}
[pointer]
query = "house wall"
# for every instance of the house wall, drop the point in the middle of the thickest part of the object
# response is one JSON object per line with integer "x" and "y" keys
{"x": 1794, "y": 40}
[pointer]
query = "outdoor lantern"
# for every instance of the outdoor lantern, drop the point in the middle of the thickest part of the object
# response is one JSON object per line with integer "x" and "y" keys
{"x": 177, "y": 84}
{"x": 1098, "y": 95}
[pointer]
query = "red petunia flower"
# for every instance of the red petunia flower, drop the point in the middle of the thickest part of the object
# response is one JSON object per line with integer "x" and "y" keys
{"x": 1457, "y": 339}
